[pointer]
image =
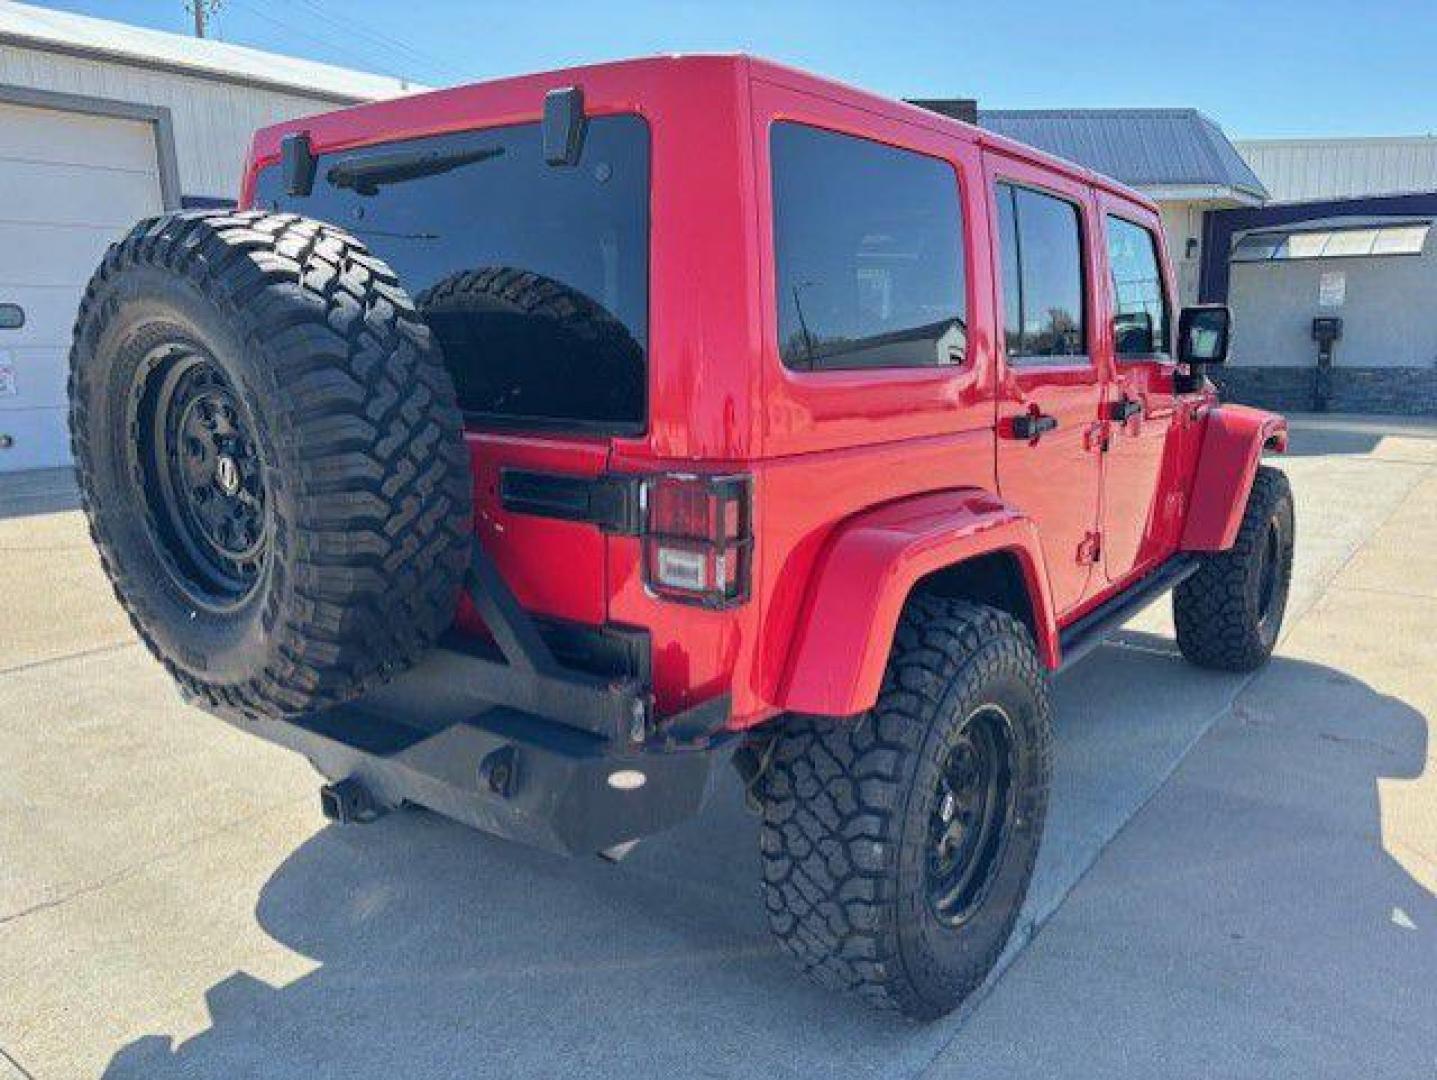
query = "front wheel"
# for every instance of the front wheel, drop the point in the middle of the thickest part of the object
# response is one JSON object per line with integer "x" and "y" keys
{"x": 897, "y": 847}
{"x": 1228, "y": 614}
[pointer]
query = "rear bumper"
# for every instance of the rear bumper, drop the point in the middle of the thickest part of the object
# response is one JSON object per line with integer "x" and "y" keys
{"x": 428, "y": 739}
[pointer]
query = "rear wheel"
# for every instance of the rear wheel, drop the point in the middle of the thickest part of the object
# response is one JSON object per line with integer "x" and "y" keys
{"x": 270, "y": 456}
{"x": 897, "y": 847}
{"x": 1229, "y": 613}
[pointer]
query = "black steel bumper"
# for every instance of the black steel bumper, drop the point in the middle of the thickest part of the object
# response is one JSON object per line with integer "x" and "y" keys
{"x": 507, "y": 772}
{"x": 516, "y": 742}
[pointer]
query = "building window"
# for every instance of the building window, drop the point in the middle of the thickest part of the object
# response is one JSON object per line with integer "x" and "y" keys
{"x": 1040, "y": 240}
{"x": 1407, "y": 238}
{"x": 868, "y": 241}
{"x": 1140, "y": 301}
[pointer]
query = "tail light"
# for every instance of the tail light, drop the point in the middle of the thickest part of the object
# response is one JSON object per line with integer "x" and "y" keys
{"x": 698, "y": 538}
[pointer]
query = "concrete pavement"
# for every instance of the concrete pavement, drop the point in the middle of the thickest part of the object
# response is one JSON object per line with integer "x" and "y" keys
{"x": 1238, "y": 877}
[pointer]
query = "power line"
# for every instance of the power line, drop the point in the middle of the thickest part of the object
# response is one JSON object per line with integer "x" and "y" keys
{"x": 377, "y": 37}
{"x": 363, "y": 58}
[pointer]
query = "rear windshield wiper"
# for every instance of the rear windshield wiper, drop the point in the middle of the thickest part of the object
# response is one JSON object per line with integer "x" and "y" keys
{"x": 366, "y": 175}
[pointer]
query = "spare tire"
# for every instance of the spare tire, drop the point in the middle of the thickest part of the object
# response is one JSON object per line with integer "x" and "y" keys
{"x": 270, "y": 456}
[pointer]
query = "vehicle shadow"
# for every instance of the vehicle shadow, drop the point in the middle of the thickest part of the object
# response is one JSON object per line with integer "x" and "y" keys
{"x": 443, "y": 952}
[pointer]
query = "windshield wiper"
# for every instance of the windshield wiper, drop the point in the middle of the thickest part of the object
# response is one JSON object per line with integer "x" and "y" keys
{"x": 366, "y": 175}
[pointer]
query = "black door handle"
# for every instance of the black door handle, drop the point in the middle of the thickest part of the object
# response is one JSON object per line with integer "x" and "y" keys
{"x": 1124, "y": 409}
{"x": 1033, "y": 425}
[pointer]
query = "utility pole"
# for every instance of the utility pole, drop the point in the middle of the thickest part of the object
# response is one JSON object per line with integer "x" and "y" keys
{"x": 201, "y": 9}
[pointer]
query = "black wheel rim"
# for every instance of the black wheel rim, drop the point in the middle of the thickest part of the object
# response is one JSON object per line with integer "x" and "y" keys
{"x": 1268, "y": 570}
{"x": 202, "y": 475}
{"x": 972, "y": 815}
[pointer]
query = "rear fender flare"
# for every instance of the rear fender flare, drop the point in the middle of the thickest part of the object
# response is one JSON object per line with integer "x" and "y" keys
{"x": 865, "y": 575}
{"x": 1233, "y": 439}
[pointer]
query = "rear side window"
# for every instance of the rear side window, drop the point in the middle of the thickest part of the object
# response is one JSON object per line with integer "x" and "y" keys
{"x": 533, "y": 277}
{"x": 868, "y": 242}
{"x": 1040, "y": 241}
{"x": 1140, "y": 303}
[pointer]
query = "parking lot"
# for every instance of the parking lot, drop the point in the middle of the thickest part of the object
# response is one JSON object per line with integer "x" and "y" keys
{"x": 1239, "y": 876}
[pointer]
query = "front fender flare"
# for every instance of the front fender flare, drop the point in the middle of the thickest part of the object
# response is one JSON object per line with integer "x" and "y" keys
{"x": 863, "y": 579}
{"x": 1232, "y": 443}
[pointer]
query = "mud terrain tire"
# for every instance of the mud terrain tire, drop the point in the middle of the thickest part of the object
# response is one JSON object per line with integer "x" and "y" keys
{"x": 856, "y": 814}
{"x": 270, "y": 457}
{"x": 1228, "y": 614}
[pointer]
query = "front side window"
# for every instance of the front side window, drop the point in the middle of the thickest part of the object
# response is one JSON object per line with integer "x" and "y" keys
{"x": 1140, "y": 304}
{"x": 1040, "y": 242}
{"x": 868, "y": 244}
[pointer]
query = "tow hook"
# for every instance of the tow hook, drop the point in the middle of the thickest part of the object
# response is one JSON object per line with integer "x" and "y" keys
{"x": 349, "y": 802}
{"x": 499, "y": 771}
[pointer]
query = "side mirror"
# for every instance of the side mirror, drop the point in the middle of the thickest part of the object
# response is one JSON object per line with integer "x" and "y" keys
{"x": 1203, "y": 333}
{"x": 1133, "y": 333}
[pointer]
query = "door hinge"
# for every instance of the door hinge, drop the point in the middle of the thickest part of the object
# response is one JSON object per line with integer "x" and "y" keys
{"x": 1091, "y": 549}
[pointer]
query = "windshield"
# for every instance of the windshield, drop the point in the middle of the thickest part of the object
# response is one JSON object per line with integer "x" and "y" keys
{"x": 533, "y": 277}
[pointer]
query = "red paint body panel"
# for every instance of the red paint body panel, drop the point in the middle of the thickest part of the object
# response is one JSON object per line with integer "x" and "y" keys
{"x": 1233, "y": 438}
{"x": 866, "y": 574}
{"x": 523, "y": 547}
{"x": 863, "y": 481}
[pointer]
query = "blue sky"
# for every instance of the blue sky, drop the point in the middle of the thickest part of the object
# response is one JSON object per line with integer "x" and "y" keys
{"x": 1260, "y": 68}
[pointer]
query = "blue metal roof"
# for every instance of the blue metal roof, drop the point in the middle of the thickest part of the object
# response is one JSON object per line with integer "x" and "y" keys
{"x": 1141, "y": 147}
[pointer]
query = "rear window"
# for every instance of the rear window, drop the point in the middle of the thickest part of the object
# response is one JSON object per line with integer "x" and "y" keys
{"x": 868, "y": 242}
{"x": 533, "y": 278}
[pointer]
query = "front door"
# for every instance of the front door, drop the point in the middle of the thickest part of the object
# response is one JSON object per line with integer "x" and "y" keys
{"x": 1141, "y": 489}
{"x": 1050, "y": 393}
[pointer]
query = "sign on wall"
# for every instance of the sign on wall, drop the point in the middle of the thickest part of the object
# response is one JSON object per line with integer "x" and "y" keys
{"x": 1332, "y": 289}
{"x": 7, "y": 374}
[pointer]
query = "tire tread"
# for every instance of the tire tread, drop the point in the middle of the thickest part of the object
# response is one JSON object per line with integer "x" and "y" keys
{"x": 378, "y": 548}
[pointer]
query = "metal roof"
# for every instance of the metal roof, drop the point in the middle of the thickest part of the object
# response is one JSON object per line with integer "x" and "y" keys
{"x": 42, "y": 28}
{"x": 1147, "y": 148}
{"x": 1306, "y": 169}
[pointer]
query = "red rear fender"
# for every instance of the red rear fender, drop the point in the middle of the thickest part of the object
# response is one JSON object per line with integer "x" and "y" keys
{"x": 1232, "y": 443}
{"x": 865, "y": 576}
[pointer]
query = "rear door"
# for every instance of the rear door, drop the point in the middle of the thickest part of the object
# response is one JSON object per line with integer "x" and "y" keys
{"x": 1141, "y": 496}
{"x": 1049, "y": 401}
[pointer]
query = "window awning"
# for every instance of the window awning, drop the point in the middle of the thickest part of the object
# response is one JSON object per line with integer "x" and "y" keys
{"x": 1277, "y": 245}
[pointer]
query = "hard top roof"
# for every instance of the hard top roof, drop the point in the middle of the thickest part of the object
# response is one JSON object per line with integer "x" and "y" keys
{"x": 447, "y": 109}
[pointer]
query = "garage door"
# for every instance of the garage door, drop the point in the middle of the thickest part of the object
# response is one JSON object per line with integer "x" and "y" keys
{"x": 69, "y": 184}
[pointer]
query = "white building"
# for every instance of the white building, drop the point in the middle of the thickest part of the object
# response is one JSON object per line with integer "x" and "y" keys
{"x": 102, "y": 124}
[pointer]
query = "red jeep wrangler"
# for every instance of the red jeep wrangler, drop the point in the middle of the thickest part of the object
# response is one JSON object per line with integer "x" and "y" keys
{"x": 528, "y": 450}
